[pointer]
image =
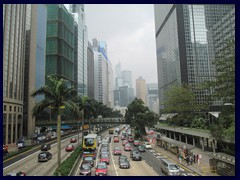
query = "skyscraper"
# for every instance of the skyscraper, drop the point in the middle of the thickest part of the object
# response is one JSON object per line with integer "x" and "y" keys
{"x": 60, "y": 42}
{"x": 103, "y": 74}
{"x": 152, "y": 97}
{"x": 35, "y": 57}
{"x": 90, "y": 66}
{"x": 14, "y": 26}
{"x": 187, "y": 45}
{"x": 81, "y": 78}
{"x": 141, "y": 89}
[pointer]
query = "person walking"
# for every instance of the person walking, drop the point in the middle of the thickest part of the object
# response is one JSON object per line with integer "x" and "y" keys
{"x": 187, "y": 159}
{"x": 194, "y": 158}
{"x": 191, "y": 160}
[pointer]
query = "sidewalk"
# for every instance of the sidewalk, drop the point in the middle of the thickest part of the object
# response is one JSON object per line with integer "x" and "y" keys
{"x": 203, "y": 169}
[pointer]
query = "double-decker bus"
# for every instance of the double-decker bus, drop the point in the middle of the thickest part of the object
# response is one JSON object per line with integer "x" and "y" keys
{"x": 90, "y": 145}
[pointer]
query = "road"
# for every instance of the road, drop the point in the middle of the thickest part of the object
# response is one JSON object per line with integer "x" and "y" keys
{"x": 32, "y": 167}
{"x": 138, "y": 168}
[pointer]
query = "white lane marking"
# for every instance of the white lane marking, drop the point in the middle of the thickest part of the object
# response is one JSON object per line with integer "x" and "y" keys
{"x": 112, "y": 158}
{"x": 79, "y": 168}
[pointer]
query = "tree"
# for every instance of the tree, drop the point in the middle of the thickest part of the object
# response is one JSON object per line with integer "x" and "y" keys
{"x": 181, "y": 100}
{"x": 58, "y": 95}
{"x": 139, "y": 116}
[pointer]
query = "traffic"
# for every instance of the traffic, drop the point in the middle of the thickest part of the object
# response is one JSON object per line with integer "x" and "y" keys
{"x": 114, "y": 152}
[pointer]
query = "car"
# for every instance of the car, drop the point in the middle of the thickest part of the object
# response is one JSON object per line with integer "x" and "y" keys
{"x": 124, "y": 164}
{"x": 45, "y": 147}
{"x": 122, "y": 157}
{"x": 136, "y": 155}
{"x": 101, "y": 169}
{"x": 136, "y": 143}
{"x": 116, "y": 139}
{"x": 19, "y": 173}
{"x": 117, "y": 151}
{"x": 127, "y": 147}
{"x": 141, "y": 148}
{"x": 89, "y": 159}
{"x": 73, "y": 140}
{"x": 147, "y": 145}
{"x": 69, "y": 148}
{"x": 124, "y": 142}
{"x": 90, "y": 153}
{"x": 105, "y": 158}
{"x": 123, "y": 137}
{"x": 85, "y": 168}
{"x": 130, "y": 139}
{"x": 44, "y": 156}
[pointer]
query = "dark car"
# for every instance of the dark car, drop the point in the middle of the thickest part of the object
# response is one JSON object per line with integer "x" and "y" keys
{"x": 124, "y": 164}
{"x": 89, "y": 159}
{"x": 85, "y": 168}
{"x": 122, "y": 157}
{"x": 141, "y": 148}
{"x": 135, "y": 155}
{"x": 45, "y": 147}
{"x": 19, "y": 173}
{"x": 44, "y": 156}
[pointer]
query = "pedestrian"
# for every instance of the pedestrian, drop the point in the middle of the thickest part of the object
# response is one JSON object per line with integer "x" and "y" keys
{"x": 187, "y": 159}
{"x": 180, "y": 158}
{"x": 191, "y": 160}
{"x": 194, "y": 158}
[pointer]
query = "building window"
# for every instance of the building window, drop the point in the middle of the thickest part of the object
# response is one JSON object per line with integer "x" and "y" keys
{"x": 5, "y": 107}
{"x": 10, "y": 108}
{"x": 15, "y": 108}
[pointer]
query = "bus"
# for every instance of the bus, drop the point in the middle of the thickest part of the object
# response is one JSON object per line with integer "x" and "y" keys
{"x": 90, "y": 142}
{"x": 110, "y": 131}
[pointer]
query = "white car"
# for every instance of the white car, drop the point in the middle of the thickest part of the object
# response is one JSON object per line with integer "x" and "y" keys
{"x": 147, "y": 145}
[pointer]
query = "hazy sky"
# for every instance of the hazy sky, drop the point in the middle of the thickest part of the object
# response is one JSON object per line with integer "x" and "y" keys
{"x": 129, "y": 31}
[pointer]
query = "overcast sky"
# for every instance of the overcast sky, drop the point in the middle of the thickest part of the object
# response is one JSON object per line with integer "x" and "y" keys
{"x": 129, "y": 32}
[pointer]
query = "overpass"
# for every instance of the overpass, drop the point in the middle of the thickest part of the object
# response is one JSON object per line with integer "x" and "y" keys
{"x": 76, "y": 122}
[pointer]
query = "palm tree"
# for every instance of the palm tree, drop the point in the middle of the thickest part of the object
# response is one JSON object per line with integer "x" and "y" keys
{"x": 86, "y": 107}
{"x": 58, "y": 95}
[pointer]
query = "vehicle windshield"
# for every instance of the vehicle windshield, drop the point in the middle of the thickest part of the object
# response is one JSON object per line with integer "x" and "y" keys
{"x": 42, "y": 155}
{"x": 117, "y": 148}
{"x": 85, "y": 167}
{"x": 89, "y": 141}
{"x": 104, "y": 156}
{"x": 101, "y": 166}
{"x": 173, "y": 167}
{"x": 88, "y": 158}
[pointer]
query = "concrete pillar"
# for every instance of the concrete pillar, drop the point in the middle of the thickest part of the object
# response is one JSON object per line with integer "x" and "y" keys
{"x": 186, "y": 139}
{"x": 16, "y": 128}
{"x": 6, "y": 135}
{"x": 12, "y": 129}
{"x": 202, "y": 140}
{"x": 193, "y": 141}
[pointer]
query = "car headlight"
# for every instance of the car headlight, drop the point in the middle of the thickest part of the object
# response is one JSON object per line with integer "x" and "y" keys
{"x": 96, "y": 173}
{"x": 104, "y": 172}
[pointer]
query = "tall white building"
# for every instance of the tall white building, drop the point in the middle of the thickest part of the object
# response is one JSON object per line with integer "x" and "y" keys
{"x": 103, "y": 76}
{"x": 82, "y": 45}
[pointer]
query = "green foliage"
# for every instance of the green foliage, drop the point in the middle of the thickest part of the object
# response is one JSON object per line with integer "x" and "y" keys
{"x": 138, "y": 115}
{"x": 67, "y": 165}
{"x": 181, "y": 100}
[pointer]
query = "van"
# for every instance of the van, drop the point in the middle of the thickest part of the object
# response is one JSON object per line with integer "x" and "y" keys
{"x": 169, "y": 168}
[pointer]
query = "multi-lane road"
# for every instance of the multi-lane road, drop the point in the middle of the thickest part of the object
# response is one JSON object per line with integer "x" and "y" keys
{"x": 149, "y": 166}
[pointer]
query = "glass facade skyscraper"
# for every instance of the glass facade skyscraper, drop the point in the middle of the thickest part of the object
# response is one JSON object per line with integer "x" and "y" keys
{"x": 60, "y": 42}
{"x": 81, "y": 74}
{"x": 187, "y": 45}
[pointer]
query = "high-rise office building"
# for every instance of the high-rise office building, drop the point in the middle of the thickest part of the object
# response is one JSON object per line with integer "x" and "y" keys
{"x": 141, "y": 89}
{"x": 152, "y": 97}
{"x": 90, "y": 71}
{"x": 103, "y": 75}
{"x": 35, "y": 57}
{"x": 127, "y": 78}
{"x": 81, "y": 74}
{"x": 187, "y": 41}
{"x": 14, "y": 30}
{"x": 60, "y": 42}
